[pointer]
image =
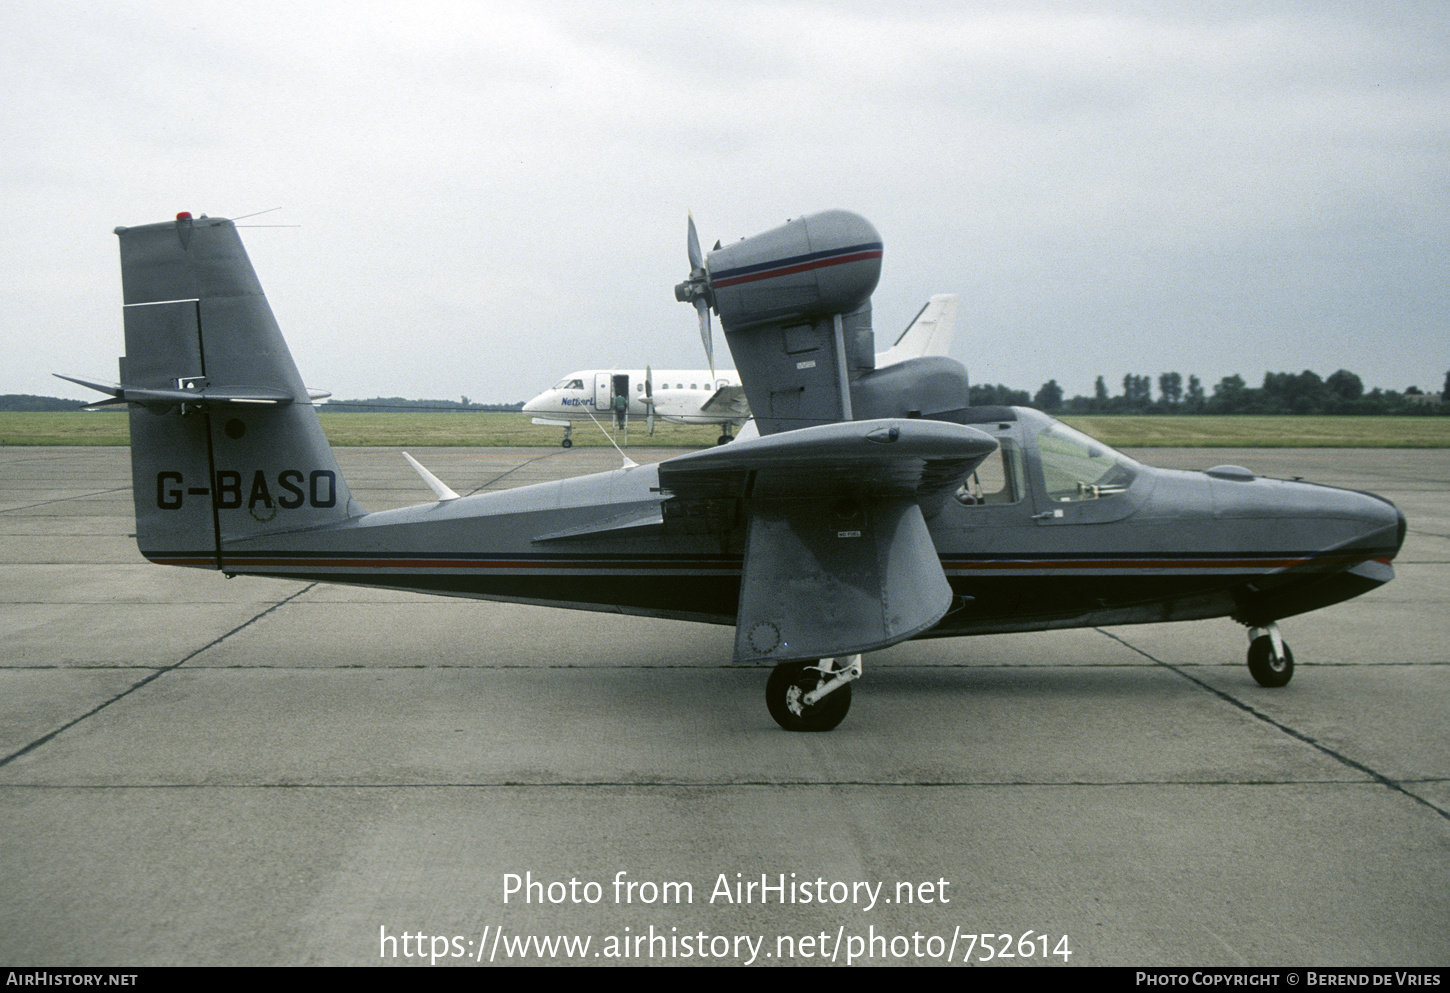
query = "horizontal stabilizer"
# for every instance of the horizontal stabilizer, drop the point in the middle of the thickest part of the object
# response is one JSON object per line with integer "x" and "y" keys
{"x": 201, "y": 396}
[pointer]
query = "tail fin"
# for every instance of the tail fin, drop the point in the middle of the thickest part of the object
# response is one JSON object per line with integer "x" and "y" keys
{"x": 929, "y": 334}
{"x": 225, "y": 441}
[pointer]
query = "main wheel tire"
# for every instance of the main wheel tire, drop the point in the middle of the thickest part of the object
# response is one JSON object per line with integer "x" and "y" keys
{"x": 1267, "y": 670}
{"x": 790, "y": 681}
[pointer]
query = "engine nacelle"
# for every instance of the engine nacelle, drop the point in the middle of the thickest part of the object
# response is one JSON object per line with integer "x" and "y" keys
{"x": 822, "y": 264}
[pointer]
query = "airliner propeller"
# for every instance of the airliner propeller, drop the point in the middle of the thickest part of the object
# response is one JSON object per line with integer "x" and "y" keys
{"x": 649, "y": 400}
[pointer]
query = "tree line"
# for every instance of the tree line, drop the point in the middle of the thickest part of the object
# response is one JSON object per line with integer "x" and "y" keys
{"x": 384, "y": 405}
{"x": 1305, "y": 392}
{"x": 30, "y": 403}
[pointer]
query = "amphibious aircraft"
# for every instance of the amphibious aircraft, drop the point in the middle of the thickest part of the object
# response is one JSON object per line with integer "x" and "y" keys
{"x": 700, "y": 396}
{"x": 876, "y": 505}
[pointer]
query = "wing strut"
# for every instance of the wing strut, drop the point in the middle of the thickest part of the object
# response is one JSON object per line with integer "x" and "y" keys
{"x": 842, "y": 369}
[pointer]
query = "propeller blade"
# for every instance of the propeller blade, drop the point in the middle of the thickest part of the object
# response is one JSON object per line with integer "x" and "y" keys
{"x": 697, "y": 260}
{"x": 704, "y": 308}
{"x": 649, "y": 400}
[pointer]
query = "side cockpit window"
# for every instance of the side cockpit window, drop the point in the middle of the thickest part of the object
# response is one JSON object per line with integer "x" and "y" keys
{"x": 997, "y": 480}
{"x": 569, "y": 384}
{"x": 1076, "y": 467}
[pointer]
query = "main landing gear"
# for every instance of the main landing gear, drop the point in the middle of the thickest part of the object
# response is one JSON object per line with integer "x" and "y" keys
{"x": 1270, "y": 661}
{"x": 811, "y": 696}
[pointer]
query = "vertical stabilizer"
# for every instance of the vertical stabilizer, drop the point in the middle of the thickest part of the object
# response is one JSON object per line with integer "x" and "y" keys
{"x": 225, "y": 441}
{"x": 930, "y": 333}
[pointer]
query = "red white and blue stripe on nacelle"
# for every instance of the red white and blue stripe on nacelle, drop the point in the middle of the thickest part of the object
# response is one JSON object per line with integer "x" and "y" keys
{"x": 795, "y": 264}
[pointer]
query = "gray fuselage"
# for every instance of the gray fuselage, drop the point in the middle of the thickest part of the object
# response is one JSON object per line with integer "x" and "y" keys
{"x": 1054, "y": 530}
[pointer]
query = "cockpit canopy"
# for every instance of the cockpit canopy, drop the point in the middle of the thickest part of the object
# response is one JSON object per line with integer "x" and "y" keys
{"x": 1039, "y": 456}
{"x": 1076, "y": 467}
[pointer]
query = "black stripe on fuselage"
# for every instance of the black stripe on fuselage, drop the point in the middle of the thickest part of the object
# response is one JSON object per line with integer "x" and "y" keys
{"x": 994, "y": 592}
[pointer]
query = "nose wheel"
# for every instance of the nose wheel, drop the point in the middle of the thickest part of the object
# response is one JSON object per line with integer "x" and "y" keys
{"x": 811, "y": 696}
{"x": 1270, "y": 661}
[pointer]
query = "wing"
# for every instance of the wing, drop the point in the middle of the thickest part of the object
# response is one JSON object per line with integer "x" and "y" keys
{"x": 838, "y": 558}
{"x": 728, "y": 401}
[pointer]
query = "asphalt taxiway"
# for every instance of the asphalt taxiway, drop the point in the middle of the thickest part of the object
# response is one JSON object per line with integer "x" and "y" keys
{"x": 257, "y": 772}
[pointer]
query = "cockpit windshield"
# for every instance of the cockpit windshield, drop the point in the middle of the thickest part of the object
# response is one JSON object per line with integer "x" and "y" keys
{"x": 1076, "y": 467}
{"x": 569, "y": 384}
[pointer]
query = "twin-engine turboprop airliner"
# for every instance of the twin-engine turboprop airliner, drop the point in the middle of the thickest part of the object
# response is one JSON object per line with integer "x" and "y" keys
{"x": 616, "y": 396}
{"x": 876, "y": 505}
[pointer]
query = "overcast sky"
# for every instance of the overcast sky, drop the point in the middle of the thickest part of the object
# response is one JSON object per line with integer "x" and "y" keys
{"x": 489, "y": 195}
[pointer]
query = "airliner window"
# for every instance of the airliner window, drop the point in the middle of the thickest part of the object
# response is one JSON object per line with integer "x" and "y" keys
{"x": 569, "y": 384}
{"x": 997, "y": 480}
{"x": 1075, "y": 467}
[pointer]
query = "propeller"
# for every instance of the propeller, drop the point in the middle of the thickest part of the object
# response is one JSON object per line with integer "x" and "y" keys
{"x": 696, "y": 290}
{"x": 649, "y": 400}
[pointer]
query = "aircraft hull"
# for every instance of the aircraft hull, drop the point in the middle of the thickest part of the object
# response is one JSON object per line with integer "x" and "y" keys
{"x": 585, "y": 552}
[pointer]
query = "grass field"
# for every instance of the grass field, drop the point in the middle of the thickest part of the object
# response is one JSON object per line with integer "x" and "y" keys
{"x": 514, "y": 429}
{"x": 1267, "y": 432}
{"x": 483, "y": 428}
